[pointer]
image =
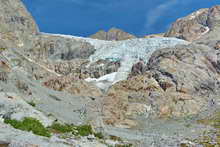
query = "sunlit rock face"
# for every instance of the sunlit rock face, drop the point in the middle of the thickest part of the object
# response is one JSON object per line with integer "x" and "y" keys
{"x": 113, "y": 34}
{"x": 17, "y": 25}
{"x": 201, "y": 24}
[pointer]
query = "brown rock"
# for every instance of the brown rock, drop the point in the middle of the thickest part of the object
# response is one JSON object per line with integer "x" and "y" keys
{"x": 154, "y": 35}
{"x": 112, "y": 34}
{"x": 73, "y": 85}
{"x": 191, "y": 27}
{"x": 16, "y": 29}
{"x": 165, "y": 111}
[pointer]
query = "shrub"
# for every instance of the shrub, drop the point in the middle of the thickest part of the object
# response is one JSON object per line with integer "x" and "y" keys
{"x": 99, "y": 135}
{"x": 29, "y": 124}
{"x": 61, "y": 128}
{"x": 83, "y": 130}
{"x": 2, "y": 49}
{"x": 32, "y": 103}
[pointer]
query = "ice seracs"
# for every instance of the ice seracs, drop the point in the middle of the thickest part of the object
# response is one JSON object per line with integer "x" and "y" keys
{"x": 131, "y": 51}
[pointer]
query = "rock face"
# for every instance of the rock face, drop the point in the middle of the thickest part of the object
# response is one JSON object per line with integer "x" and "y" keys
{"x": 177, "y": 73}
{"x": 16, "y": 29}
{"x": 113, "y": 34}
{"x": 200, "y": 23}
{"x": 174, "y": 83}
{"x": 190, "y": 27}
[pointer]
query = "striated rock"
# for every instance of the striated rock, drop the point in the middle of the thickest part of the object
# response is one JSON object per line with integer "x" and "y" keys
{"x": 113, "y": 34}
{"x": 73, "y": 85}
{"x": 128, "y": 99}
{"x": 16, "y": 29}
{"x": 100, "y": 68}
{"x": 13, "y": 107}
{"x": 192, "y": 77}
{"x": 48, "y": 46}
{"x": 177, "y": 82}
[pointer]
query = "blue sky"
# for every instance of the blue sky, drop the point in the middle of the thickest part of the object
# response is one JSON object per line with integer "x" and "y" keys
{"x": 85, "y": 17}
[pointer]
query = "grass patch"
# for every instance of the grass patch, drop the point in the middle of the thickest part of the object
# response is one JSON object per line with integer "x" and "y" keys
{"x": 2, "y": 49}
{"x": 61, "y": 128}
{"x": 115, "y": 138}
{"x": 32, "y": 103}
{"x": 82, "y": 130}
{"x": 99, "y": 135}
{"x": 29, "y": 124}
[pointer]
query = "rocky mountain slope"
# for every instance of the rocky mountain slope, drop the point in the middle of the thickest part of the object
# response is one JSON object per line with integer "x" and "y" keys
{"x": 60, "y": 90}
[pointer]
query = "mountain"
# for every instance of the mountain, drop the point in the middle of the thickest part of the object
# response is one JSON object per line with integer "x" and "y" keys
{"x": 154, "y": 35}
{"x": 61, "y": 90}
{"x": 112, "y": 34}
{"x": 203, "y": 22}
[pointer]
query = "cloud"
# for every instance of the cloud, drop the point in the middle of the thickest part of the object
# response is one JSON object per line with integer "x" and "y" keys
{"x": 154, "y": 14}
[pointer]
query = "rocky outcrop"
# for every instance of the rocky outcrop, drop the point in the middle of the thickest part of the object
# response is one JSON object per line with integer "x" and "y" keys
{"x": 176, "y": 82}
{"x": 200, "y": 25}
{"x": 190, "y": 27}
{"x": 16, "y": 29}
{"x": 100, "y": 68}
{"x": 75, "y": 86}
{"x": 191, "y": 73}
{"x": 113, "y": 34}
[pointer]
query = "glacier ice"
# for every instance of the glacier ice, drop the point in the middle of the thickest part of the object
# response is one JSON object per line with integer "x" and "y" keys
{"x": 131, "y": 51}
{"x": 128, "y": 52}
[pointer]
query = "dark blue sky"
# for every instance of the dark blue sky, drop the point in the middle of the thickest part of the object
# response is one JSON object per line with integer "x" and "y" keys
{"x": 85, "y": 17}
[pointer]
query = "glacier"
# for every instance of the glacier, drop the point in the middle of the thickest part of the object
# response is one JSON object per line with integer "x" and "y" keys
{"x": 128, "y": 52}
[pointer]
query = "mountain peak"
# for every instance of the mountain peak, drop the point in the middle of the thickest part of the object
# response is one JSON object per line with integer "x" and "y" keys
{"x": 113, "y": 34}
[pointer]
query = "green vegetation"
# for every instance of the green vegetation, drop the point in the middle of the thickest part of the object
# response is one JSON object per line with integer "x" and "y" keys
{"x": 32, "y": 103}
{"x": 115, "y": 138}
{"x": 83, "y": 130}
{"x": 60, "y": 128}
{"x": 29, "y": 124}
{"x": 33, "y": 125}
{"x": 99, "y": 135}
{"x": 2, "y": 49}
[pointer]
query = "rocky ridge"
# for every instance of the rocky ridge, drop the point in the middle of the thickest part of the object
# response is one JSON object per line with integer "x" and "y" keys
{"x": 113, "y": 34}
